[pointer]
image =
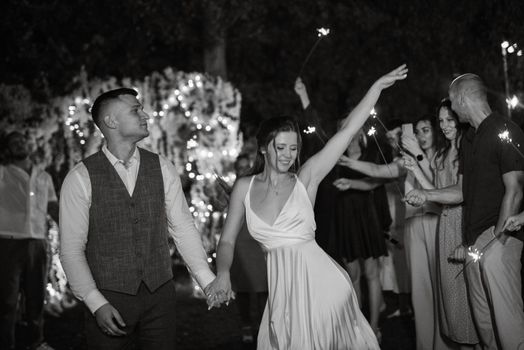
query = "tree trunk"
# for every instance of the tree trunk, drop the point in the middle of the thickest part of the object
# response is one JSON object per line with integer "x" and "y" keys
{"x": 214, "y": 38}
{"x": 215, "y": 56}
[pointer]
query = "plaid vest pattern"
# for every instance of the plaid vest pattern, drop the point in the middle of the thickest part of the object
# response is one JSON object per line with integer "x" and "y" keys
{"x": 128, "y": 236}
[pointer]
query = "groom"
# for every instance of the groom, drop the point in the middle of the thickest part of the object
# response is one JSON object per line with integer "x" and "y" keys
{"x": 117, "y": 208}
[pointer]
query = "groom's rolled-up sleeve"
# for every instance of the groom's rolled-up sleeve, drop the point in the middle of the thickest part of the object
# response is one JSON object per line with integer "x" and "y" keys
{"x": 182, "y": 227}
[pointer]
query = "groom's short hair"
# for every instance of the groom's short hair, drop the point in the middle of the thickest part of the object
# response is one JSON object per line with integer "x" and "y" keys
{"x": 101, "y": 103}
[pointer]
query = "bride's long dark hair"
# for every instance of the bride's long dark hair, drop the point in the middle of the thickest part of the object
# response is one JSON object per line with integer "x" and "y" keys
{"x": 267, "y": 132}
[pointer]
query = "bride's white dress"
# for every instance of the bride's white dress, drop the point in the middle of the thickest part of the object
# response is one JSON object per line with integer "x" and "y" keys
{"x": 311, "y": 304}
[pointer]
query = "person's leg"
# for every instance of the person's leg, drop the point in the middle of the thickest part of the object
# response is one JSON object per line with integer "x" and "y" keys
{"x": 422, "y": 289}
{"x": 430, "y": 225}
{"x": 156, "y": 326}
{"x": 354, "y": 271}
{"x": 12, "y": 257}
{"x": 371, "y": 271}
{"x": 478, "y": 299}
{"x": 500, "y": 267}
{"x": 242, "y": 300}
{"x": 34, "y": 286}
{"x": 243, "y": 304}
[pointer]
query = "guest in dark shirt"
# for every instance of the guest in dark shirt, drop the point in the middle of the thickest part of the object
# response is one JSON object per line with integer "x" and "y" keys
{"x": 491, "y": 176}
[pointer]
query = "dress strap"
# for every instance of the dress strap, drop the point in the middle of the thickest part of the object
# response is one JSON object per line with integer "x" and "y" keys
{"x": 248, "y": 193}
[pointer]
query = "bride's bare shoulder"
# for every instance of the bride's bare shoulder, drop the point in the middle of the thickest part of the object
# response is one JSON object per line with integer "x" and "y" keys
{"x": 242, "y": 184}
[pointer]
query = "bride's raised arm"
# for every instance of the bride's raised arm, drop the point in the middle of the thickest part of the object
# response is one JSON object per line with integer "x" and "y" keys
{"x": 319, "y": 165}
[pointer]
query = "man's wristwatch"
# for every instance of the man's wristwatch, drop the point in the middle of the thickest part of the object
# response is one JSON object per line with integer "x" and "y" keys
{"x": 420, "y": 157}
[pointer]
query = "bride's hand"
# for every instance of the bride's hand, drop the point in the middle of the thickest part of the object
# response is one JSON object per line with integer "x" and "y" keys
{"x": 389, "y": 79}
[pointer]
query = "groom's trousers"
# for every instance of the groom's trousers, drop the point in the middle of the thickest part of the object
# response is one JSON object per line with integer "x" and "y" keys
{"x": 494, "y": 289}
{"x": 149, "y": 318}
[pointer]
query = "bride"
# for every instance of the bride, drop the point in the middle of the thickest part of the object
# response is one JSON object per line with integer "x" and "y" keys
{"x": 311, "y": 303}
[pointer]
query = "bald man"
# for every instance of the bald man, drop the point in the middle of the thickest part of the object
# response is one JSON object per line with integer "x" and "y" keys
{"x": 491, "y": 175}
{"x": 117, "y": 208}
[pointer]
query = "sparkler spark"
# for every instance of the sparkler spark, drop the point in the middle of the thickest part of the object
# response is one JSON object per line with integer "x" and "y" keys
{"x": 475, "y": 253}
{"x": 310, "y": 130}
{"x": 323, "y": 32}
{"x": 512, "y": 102}
{"x": 504, "y": 136}
{"x": 371, "y": 131}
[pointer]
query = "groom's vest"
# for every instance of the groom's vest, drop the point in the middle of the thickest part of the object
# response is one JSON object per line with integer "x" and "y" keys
{"x": 127, "y": 239}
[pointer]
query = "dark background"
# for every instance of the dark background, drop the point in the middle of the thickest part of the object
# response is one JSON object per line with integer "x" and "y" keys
{"x": 260, "y": 45}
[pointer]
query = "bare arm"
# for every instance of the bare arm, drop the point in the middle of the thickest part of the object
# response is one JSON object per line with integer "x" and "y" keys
{"x": 392, "y": 170}
{"x": 318, "y": 166}
{"x": 512, "y": 199}
{"x": 220, "y": 290}
{"x": 447, "y": 195}
{"x": 412, "y": 165}
{"x": 367, "y": 184}
{"x": 301, "y": 91}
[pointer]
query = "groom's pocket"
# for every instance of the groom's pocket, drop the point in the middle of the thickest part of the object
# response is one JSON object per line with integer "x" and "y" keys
{"x": 485, "y": 237}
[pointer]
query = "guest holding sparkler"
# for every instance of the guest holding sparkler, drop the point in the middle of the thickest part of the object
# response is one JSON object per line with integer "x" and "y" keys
{"x": 420, "y": 231}
{"x": 394, "y": 188}
{"x": 313, "y": 140}
{"x": 359, "y": 235}
{"x": 453, "y": 305}
{"x": 491, "y": 174}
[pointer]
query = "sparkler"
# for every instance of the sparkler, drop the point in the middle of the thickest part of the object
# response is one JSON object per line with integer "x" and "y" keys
{"x": 313, "y": 130}
{"x": 310, "y": 130}
{"x": 513, "y": 102}
{"x": 375, "y": 116}
{"x": 476, "y": 254}
{"x": 504, "y": 136}
{"x": 371, "y": 132}
{"x": 321, "y": 34}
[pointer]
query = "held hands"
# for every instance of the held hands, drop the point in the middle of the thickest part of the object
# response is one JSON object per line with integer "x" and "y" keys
{"x": 342, "y": 184}
{"x": 389, "y": 79}
{"x": 219, "y": 291}
{"x": 416, "y": 198}
{"x": 109, "y": 320}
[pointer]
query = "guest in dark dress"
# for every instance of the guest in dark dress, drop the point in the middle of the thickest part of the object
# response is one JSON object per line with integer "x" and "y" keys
{"x": 359, "y": 235}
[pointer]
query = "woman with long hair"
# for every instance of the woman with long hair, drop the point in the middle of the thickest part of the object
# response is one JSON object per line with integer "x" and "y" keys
{"x": 453, "y": 309}
{"x": 311, "y": 302}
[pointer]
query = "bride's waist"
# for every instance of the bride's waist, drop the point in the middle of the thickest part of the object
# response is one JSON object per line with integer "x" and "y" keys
{"x": 290, "y": 243}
